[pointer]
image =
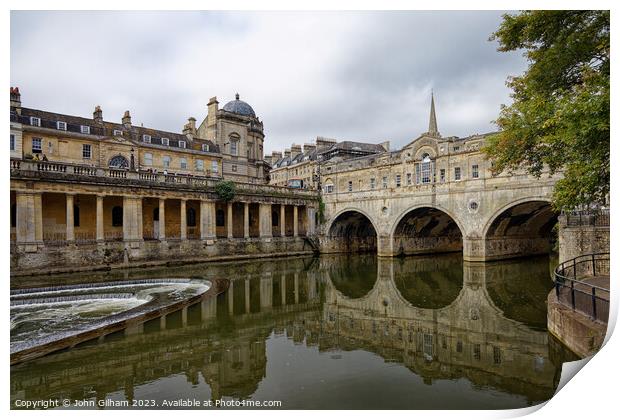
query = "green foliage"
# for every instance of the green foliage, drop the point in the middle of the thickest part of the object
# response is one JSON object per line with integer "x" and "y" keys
{"x": 321, "y": 210}
{"x": 225, "y": 190}
{"x": 559, "y": 117}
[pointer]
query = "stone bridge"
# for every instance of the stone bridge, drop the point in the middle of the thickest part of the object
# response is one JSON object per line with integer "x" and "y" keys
{"x": 488, "y": 219}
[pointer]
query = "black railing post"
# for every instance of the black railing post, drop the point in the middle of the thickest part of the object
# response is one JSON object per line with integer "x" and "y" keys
{"x": 572, "y": 293}
{"x": 593, "y": 266}
{"x": 594, "y": 303}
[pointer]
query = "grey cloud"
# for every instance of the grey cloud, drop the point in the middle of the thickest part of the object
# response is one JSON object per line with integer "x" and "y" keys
{"x": 349, "y": 75}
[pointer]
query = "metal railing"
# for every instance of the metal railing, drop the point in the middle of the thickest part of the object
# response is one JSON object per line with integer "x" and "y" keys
{"x": 574, "y": 285}
{"x": 597, "y": 217}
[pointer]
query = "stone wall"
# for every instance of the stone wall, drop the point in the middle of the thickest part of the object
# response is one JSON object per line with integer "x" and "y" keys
{"x": 586, "y": 236}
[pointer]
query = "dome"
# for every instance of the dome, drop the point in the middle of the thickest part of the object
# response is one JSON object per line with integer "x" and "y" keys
{"x": 239, "y": 107}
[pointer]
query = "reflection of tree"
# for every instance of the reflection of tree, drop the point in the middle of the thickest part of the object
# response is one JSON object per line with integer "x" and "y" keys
{"x": 520, "y": 288}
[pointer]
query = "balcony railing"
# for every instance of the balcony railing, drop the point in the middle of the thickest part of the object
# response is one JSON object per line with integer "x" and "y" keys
{"x": 209, "y": 181}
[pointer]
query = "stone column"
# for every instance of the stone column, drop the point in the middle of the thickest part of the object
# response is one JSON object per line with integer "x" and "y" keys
{"x": 229, "y": 221}
{"x": 264, "y": 220}
{"x": 207, "y": 220}
{"x": 246, "y": 220}
{"x": 132, "y": 219}
{"x": 230, "y": 298}
{"x": 296, "y": 285}
{"x": 283, "y": 289}
{"x": 310, "y": 221}
{"x": 100, "y": 229}
{"x": 162, "y": 219}
{"x": 266, "y": 291}
{"x": 70, "y": 217}
{"x": 183, "y": 219}
{"x": 29, "y": 218}
{"x": 474, "y": 249}
{"x": 295, "y": 221}
{"x": 282, "y": 220}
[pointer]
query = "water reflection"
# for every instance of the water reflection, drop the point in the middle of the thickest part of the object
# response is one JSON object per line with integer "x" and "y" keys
{"x": 334, "y": 332}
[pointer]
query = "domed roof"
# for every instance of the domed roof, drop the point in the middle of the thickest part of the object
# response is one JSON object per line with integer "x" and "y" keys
{"x": 239, "y": 107}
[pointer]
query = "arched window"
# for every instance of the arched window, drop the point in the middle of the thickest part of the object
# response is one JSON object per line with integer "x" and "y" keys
{"x": 117, "y": 216}
{"x": 219, "y": 218}
{"x": 119, "y": 161}
{"x": 329, "y": 186}
{"x": 76, "y": 215}
{"x": 156, "y": 214}
{"x": 191, "y": 217}
{"x": 13, "y": 215}
{"x": 424, "y": 170}
{"x": 274, "y": 218}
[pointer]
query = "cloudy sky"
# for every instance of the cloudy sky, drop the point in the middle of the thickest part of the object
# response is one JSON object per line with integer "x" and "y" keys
{"x": 363, "y": 76}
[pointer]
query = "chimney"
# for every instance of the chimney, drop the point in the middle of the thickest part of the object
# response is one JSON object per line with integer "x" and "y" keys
{"x": 98, "y": 115}
{"x": 275, "y": 156}
{"x": 127, "y": 120}
{"x": 212, "y": 111}
{"x": 295, "y": 149}
{"x": 16, "y": 97}
{"x": 189, "y": 129}
{"x": 287, "y": 152}
{"x": 309, "y": 147}
{"x": 324, "y": 143}
{"x": 386, "y": 145}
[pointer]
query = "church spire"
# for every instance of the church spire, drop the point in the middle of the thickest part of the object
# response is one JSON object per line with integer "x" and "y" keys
{"x": 432, "y": 123}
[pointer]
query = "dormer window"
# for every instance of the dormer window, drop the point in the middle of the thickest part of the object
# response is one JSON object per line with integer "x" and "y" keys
{"x": 182, "y": 144}
{"x": 84, "y": 129}
{"x": 146, "y": 138}
{"x": 456, "y": 148}
{"x": 61, "y": 125}
{"x": 118, "y": 132}
{"x": 35, "y": 121}
{"x": 205, "y": 147}
{"x": 165, "y": 141}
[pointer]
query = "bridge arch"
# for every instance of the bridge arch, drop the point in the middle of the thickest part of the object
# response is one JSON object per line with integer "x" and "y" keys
{"x": 426, "y": 229}
{"x": 351, "y": 230}
{"x": 521, "y": 228}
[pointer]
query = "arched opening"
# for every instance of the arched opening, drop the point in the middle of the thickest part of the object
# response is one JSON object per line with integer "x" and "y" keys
{"x": 427, "y": 230}
{"x": 521, "y": 230}
{"x": 117, "y": 216}
{"x": 351, "y": 231}
{"x": 191, "y": 217}
{"x": 119, "y": 161}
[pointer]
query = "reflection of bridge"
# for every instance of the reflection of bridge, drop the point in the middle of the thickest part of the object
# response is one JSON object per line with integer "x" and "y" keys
{"x": 222, "y": 342}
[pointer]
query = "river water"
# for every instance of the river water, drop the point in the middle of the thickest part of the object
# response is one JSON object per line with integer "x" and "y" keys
{"x": 332, "y": 332}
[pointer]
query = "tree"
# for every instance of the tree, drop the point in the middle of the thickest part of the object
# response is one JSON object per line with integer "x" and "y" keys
{"x": 225, "y": 190}
{"x": 559, "y": 117}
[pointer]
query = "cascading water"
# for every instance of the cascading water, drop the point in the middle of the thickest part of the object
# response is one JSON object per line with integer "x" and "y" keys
{"x": 44, "y": 315}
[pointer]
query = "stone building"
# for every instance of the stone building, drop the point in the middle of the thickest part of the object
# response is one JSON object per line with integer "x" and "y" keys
{"x": 299, "y": 167}
{"x": 238, "y": 133}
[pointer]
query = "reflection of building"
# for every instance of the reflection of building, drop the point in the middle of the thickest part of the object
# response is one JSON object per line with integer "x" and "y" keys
{"x": 224, "y": 340}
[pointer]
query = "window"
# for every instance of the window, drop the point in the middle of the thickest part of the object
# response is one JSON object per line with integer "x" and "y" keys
{"x": 205, "y": 147}
{"x": 61, "y": 125}
{"x": 474, "y": 171}
{"x": 350, "y": 186}
{"x": 119, "y": 161}
{"x": 384, "y": 182}
{"x": 148, "y": 159}
{"x": 182, "y": 144}
{"x": 35, "y": 121}
{"x": 497, "y": 355}
{"x": 84, "y": 129}
{"x": 86, "y": 151}
{"x": 199, "y": 165}
{"x": 219, "y": 217}
{"x": 156, "y": 214}
{"x": 442, "y": 175}
{"x": 409, "y": 179}
{"x": 191, "y": 217}
{"x": 428, "y": 345}
{"x": 275, "y": 218}
{"x": 234, "y": 168}
{"x": 76, "y": 216}
{"x": 146, "y": 138}
{"x": 398, "y": 180}
{"x": 372, "y": 183}
{"x": 457, "y": 174}
{"x": 456, "y": 148}
{"x": 183, "y": 163}
{"x": 117, "y": 216}
{"x": 477, "y": 351}
{"x": 459, "y": 346}
{"x": 13, "y": 215}
{"x": 118, "y": 132}
{"x": 329, "y": 188}
{"x": 165, "y": 141}
{"x": 12, "y": 141}
{"x": 166, "y": 161}
{"x": 36, "y": 145}
{"x": 426, "y": 168}
{"x": 214, "y": 167}
{"x": 233, "y": 147}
